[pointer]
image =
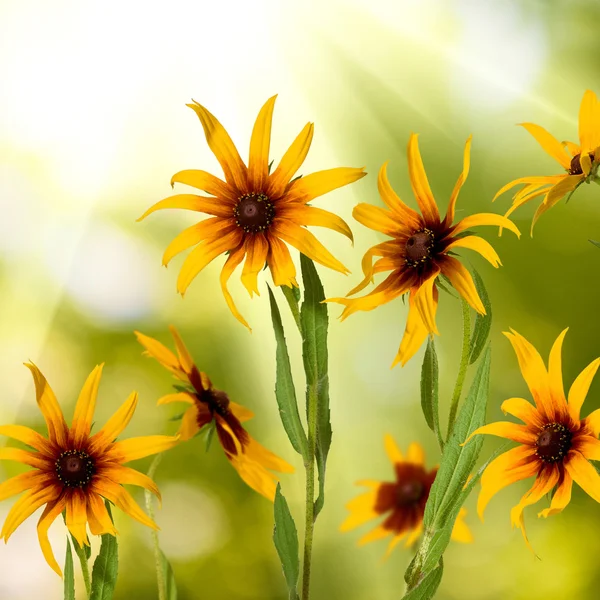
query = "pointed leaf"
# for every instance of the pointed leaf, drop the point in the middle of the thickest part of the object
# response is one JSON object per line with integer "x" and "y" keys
{"x": 169, "y": 578}
{"x": 106, "y": 566}
{"x": 314, "y": 320}
{"x": 483, "y": 323}
{"x": 285, "y": 538}
{"x": 285, "y": 391}
{"x": 597, "y": 244}
{"x": 292, "y": 295}
{"x": 427, "y": 588}
{"x": 429, "y": 390}
{"x": 69, "y": 575}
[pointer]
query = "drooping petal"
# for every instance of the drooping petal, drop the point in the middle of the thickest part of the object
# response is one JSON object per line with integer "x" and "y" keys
{"x": 561, "y": 497}
{"x": 241, "y": 413}
{"x": 549, "y": 143}
{"x": 378, "y": 533}
{"x": 567, "y": 185}
{"x": 485, "y": 219}
{"x": 512, "y": 466}
{"x": 178, "y": 397}
{"x": 257, "y": 248}
{"x": 209, "y": 206}
{"x": 534, "y": 372}
{"x": 460, "y": 182}
{"x": 115, "y": 425}
{"x": 461, "y": 532}
{"x": 280, "y": 263}
{"x": 204, "y": 254}
{"x": 425, "y": 300}
{"x": 304, "y": 241}
{"x": 583, "y": 473}
{"x": 378, "y": 219}
{"x": 255, "y": 475}
{"x": 317, "y": 184}
{"x": 121, "y": 498}
{"x": 25, "y": 506}
{"x": 162, "y": 354}
{"x": 415, "y": 454}
{"x": 233, "y": 261}
{"x": 419, "y": 183}
{"x": 183, "y": 354}
{"x": 291, "y": 161}
{"x": 394, "y": 453}
{"x": 260, "y": 142}
{"x": 191, "y": 422}
{"x": 414, "y": 334}
{"x": 223, "y": 148}
{"x": 206, "y": 230}
{"x": 27, "y": 436}
{"x": 462, "y": 281}
{"x": 25, "y": 481}
{"x": 381, "y": 265}
{"x": 51, "y": 512}
{"x": 84, "y": 409}
{"x": 259, "y": 454}
{"x": 474, "y": 242}
{"x": 572, "y": 148}
{"x": 408, "y": 216}
{"x": 589, "y": 122}
{"x": 390, "y": 249}
{"x": 31, "y": 459}
{"x": 55, "y": 421}
{"x": 593, "y": 421}
{"x": 587, "y": 445}
{"x": 531, "y": 181}
{"x": 208, "y": 183}
{"x": 140, "y": 447}
{"x": 524, "y": 410}
{"x": 580, "y": 388}
{"x": 76, "y": 516}
{"x": 362, "y": 510}
{"x": 98, "y": 517}
{"x": 507, "y": 430}
{"x": 122, "y": 475}
{"x": 317, "y": 217}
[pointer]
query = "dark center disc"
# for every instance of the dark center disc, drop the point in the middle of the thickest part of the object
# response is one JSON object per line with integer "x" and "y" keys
{"x": 553, "y": 443}
{"x": 418, "y": 248}
{"x": 74, "y": 468}
{"x": 409, "y": 492}
{"x": 254, "y": 213}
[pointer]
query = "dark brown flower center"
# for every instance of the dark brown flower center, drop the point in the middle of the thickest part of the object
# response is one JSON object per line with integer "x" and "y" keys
{"x": 254, "y": 212}
{"x": 418, "y": 247}
{"x": 74, "y": 468}
{"x": 409, "y": 492}
{"x": 576, "y": 164}
{"x": 218, "y": 401}
{"x": 553, "y": 443}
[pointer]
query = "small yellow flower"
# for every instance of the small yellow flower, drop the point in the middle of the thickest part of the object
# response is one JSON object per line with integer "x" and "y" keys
{"x": 401, "y": 501}
{"x": 254, "y": 211}
{"x": 578, "y": 161}
{"x": 419, "y": 252}
{"x": 555, "y": 443}
{"x": 206, "y": 404}
{"x": 74, "y": 470}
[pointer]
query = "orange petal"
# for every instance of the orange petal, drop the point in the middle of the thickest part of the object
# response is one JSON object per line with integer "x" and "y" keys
{"x": 362, "y": 510}
{"x": 208, "y": 183}
{"x": 524, "y": 410}
{"x": 183, "y": 354}
{"x": 256, "y": 256}
{"x": 461, "y": 181}
{"x": 419, "y": 183}
{"x": 408, "y": 216}
{"x": 140, "y": 447}
{"x": 26, "y": 505}
{"x": 76, "y": 516}
{"x": 210, "y": 206}
{"x": 584, "y": 474}
{"x": 485, "y": 219}
{"x": 25, "y": 481}
{"x": 317, "y": 217}
{"x": 483, "y": 247}
{"x": 414, "y": 334}
{"x": 549, "y": 143}
{"x": 260, "y": 142}
{"x": 425, "y": 300}
{"x": 259, "y": 454}
{"x": 126, "y": 476}
{"x": 378, "y": 219}
{"x": 589, "y": 122}
{"x": 84, "y": 409}
{"x": 231, "y": 264}
{"x": 462, "y": 281}
{"x": 48, "y": 517}
{"x": 415, "y": 454}
{"x": 280, "y": 263}
{"x": 223, "y": 148}
{"x": 189, "y": 424}
{"x": 461, "y": 532}
{"x": 567, "y": 185}
{"x": 392, "y": 450}
{"x": 587, "y": 445}
{"x": 317, "y": 184}
{"x": 555, "y": 376}
{"x": 27, "y": 436}
{"x": 580, "y": 388}
{"x": 240, "y": 412}
{"x": 561, "y": 497}
{"x": 162, "y": 354}
{"x": 115, "y": 425}
{"x": 507, "y": 430}
{"x": 98, "y": 517}
{"x": 377, "y": 534}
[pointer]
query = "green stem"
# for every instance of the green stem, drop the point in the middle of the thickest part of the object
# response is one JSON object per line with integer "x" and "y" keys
{"x": 462, "y": 371}
{"x": 85, "y": 568}
{"x": 292, "y": 300}
{"x": 158, "y": 562}
{"x": 310, "y": 490}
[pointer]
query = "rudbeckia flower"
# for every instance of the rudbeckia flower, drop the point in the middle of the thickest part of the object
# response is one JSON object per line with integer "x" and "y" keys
{"x": 555, "y": 443}
{"x": 401, "y": 502}
{"x": 579, "y": 161}
{"x": 255, "y": 212}
{"x": 74, "y": 470}
{"x": 207, "y": 405}
{"x": 420, "y": 251}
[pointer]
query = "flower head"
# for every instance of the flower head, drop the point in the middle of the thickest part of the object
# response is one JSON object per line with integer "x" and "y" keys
{"x": 402, "y": 501}
{"x": 419, "y": 251}
{"x": 74, "y": 470}
{"x": 555, "y": 443}
{"x": 579, "y": 161}
{"x": 208, "y": 405}
{"x": 254, "y": 211}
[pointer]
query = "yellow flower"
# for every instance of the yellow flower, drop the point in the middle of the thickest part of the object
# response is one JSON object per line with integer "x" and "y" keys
{"x": 555, "y": 443}
{"x": 207, "y": 404}
{"x": 578, "y": 161}
{"x": 74, "y": 470}
{"x": 419, "y": 251}
{"x": 254, "y": 211}
{"x": 401, "y": 501}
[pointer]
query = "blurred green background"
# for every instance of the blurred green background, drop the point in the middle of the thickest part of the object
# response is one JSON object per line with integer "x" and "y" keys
{"x": 93, "y": 124}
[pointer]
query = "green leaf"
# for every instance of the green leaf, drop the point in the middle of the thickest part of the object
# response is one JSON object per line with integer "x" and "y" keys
{"x": 285, "y": 538}
{"x": 292, "y": 295}
{"x": 177, "y": 417}
{"x": 169, "y": 578}
{"x": 446, "y": 286}
{"x": 314, "y": 320}
{"x": 448, "y": 490}
{"x": 285, "y": 391}
{"x": 183, "y": 388}
{"x": 210, "y": 434}
{"x": 69, "y": 575}
{"x": 429, "y": 390}
{"x": 427, "y": 588}
{"x": 483, "y": 323}
{"x": 597, "y": 244}
{"x": 106, "y": 566}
